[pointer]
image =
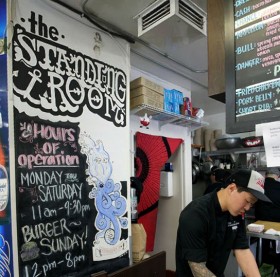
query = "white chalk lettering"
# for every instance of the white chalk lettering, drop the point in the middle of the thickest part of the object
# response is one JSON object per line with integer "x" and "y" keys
{"x": 50, "y": 229}
{"x": 59, "y": 192}
{"x": 61, "y": 244}
{"x": 41, "y": 178}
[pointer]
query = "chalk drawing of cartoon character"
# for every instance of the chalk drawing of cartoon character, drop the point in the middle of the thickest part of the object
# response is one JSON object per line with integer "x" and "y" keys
{"x": 109, "y": 203}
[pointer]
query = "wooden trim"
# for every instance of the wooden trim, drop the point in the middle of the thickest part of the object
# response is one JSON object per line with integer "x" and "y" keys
{"x": 152, "y": 266}
{"x": 99, "y": 274}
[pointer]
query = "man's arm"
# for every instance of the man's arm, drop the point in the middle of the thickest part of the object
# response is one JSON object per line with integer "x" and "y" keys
{"x": 247, "y": 262}
{"x": 200, "y": 270}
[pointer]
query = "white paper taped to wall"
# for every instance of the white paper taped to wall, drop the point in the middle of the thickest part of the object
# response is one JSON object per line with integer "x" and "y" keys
{"x": 271, "y": 137}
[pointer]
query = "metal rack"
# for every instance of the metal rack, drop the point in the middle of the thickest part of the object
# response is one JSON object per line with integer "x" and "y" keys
{"x": 165, "y": 117}
{"x": 235, "y": 151}
{"x": 238, "y": 154}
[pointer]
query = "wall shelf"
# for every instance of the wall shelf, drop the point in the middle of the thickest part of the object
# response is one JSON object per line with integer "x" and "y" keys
{"x": 235, "y": 151}
{"x": 164, "y": 117}
{"x": 238, "y": 156}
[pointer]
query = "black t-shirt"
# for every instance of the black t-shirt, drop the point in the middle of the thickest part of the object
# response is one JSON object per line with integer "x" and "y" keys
{"x": 206, "y": 234}
{"x": 215, "y": 186}
{"x": 269, "y": 211}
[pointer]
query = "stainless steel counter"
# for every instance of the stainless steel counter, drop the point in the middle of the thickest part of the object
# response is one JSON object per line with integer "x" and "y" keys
{"x": 262, "y": 235}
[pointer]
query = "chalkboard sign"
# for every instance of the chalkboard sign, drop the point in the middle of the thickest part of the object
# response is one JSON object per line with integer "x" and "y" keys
{"x": 70, "y": 139}
{"x": 55, "y": 215}
{"x": 53, "y": 211}
{"x": 252, "y": 63}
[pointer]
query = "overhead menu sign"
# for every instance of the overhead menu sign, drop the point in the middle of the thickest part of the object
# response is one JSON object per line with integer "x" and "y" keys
{"x": 255, "y": 89}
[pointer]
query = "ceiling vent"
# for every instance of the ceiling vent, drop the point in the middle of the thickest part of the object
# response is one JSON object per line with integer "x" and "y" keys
{"x": 180, "y": 19}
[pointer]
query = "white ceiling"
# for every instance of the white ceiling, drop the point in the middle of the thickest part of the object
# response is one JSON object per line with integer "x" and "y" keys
{"x": 184, "y": 55}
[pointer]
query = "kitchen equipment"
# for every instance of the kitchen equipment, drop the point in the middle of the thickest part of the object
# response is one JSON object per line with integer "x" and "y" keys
{"x": 252, "y": 141}
{"x": 228, "y": 142}
{"x": 206, "y": 167}
{"x": 252, "y": 160}
{"x": 195, "y": 171}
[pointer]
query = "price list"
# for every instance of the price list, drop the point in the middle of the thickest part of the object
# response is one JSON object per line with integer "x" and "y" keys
{"x": 257, "y": 58}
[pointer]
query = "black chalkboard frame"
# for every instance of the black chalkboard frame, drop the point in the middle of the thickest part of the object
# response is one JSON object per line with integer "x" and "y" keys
{"x": 232, "y": 125}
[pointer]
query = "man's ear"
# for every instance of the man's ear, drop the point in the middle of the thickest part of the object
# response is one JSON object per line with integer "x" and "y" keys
{"x": 232, "y": 187}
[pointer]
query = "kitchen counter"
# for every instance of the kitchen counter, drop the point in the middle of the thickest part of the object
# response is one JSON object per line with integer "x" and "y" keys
{"x": 262, "y": 235}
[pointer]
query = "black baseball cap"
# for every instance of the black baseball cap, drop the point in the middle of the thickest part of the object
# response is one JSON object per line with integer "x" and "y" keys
{"x": 251, "y": 180}
{"x": 273, "y": 170}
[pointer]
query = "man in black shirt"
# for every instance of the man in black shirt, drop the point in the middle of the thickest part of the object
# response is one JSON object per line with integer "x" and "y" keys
{"x": 265, "y": 210}
{"x": 212, "y": 225}
{"x": 270, "y": 212}
{"x": 218, "y": 177}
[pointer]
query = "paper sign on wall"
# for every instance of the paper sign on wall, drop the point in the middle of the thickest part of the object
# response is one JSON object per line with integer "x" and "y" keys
{"x": 271, "y": 136}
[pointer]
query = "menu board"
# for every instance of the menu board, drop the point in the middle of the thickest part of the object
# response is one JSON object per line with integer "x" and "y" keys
{"x": 52, "y": 202}
{"x": 252, "y": 63}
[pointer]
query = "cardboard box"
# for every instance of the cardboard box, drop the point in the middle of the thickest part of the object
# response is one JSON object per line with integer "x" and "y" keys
{"x": 168, "y": 95}
{"x": 177, "y": 96}
{"x": 144, "y": 95}
{"x": 141, "y": 81}
{"x": 143, "y": 99}
{"x": 172, "y": 100}
{"x": 168, "y": 106}
{"x": 142, "y": 90}
{"x": 176, "y": 108}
